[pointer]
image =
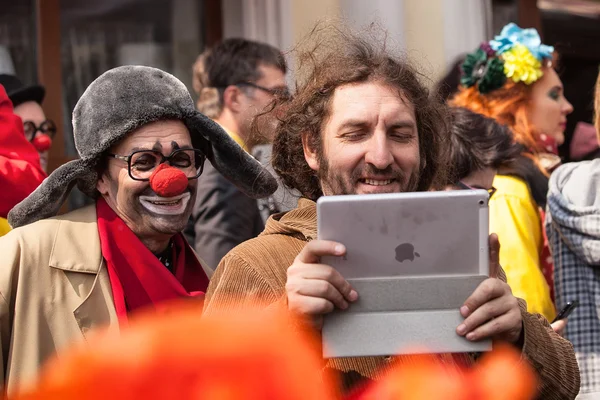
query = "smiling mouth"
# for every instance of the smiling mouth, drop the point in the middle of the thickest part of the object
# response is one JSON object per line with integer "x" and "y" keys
{"x": 377, "y": 182}
{"x": 166, "y": 205}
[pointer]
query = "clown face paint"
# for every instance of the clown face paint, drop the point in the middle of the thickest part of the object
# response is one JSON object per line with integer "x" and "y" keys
{"x": 32, "y": 111}
{"x": 176, "y": 205}
{"x": 153, "y": 218}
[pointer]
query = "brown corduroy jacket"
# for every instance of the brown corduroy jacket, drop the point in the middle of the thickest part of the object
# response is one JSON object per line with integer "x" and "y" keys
{"x": 254, "y": 273}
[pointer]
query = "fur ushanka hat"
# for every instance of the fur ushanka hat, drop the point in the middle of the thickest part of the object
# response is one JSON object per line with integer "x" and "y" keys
{"x": 118, "y": 102}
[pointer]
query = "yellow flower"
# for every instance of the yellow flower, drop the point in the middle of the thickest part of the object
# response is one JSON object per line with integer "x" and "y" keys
{"x": 521, "y": 65}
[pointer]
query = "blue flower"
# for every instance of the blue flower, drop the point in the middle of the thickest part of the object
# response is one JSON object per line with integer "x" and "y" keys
{"x": 511, "y": 35}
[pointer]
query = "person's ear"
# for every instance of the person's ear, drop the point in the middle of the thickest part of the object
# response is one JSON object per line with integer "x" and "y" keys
{"x": 310, "y": 153}
{"x": 232, "y": 97}
{"x": 103, "y": 184}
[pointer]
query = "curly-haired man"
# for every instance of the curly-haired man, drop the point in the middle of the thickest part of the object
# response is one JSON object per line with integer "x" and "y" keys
{"x": 363, "y": 123}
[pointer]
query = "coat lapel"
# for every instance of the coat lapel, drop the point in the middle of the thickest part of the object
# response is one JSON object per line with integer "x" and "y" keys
{"x": 97, "y": 309}
{"x": 77, "y": 253}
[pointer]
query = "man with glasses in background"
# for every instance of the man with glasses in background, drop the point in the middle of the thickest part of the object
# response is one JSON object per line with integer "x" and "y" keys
{"x": 27, "y": 103}
{"x": 236, "y": 81}
{"x": 142, "y": 146}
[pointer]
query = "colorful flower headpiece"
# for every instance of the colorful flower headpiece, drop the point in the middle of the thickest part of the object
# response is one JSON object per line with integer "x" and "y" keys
{"x": 516, "y": 54}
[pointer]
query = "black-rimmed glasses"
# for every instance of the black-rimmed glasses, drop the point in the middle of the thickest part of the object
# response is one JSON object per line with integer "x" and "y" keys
{"x": 464, "y": 186}
{"x": 279, "y": 92}
{"x": 31, "y": 129}
{"x": 142, "y": 163}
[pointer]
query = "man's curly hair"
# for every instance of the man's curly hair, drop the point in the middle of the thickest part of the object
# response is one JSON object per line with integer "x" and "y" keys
{"x": 339, "y": 58}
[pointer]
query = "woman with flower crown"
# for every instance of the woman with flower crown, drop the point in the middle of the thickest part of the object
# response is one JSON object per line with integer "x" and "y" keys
{"x": 512, "y": 80}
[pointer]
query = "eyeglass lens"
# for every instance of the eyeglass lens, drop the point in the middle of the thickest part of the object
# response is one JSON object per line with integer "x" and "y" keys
{"x": 142, "y": 163}
{"x": 31, "y": 129}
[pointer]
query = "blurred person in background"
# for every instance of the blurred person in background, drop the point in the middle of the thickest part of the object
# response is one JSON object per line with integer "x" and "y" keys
{"x": 27, "y": 102}
{"x": 584, "y": 144}
{"x": 20, "y": 169}
{"x": 573, "y": 228}
{"x": 142, "y": 145}
{"x": 511, "y": 79}
{"x": 478, "y": 147}
{"x": 236, "y": 81}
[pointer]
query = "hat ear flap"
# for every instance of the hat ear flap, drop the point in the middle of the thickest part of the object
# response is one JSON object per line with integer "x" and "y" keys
{"x": 233, "y": 162}
{"x": 201, "y": 143}
{"x": 46, "y": 200}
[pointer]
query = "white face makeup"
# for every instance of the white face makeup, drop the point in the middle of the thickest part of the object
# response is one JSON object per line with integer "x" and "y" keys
{"x": 146, "y": 213}
{"x": 166, "y": 205}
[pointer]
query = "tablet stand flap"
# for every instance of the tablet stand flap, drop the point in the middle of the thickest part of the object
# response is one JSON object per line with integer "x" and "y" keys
{"x": 402, "y": 315}
{"x": 409, "y": 294}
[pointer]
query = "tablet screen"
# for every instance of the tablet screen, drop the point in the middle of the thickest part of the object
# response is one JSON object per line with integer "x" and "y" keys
{"x": 407, "y": 234}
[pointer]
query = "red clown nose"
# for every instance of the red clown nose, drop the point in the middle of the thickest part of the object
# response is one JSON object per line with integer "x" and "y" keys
{"x": 167, "y": 181}
{"x": 42, "y": 142}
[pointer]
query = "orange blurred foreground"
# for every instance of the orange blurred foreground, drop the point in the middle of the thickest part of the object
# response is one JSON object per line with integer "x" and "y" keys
{"x": 179, "y": 355}
{"x": 499, "y": 375}
{"x": 254, "y": 355}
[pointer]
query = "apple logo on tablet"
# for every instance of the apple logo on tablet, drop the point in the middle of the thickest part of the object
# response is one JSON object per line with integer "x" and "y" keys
{"x": 406, "y": 251}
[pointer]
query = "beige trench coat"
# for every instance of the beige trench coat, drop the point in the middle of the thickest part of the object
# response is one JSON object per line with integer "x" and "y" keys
{"x": 54, "y": 290}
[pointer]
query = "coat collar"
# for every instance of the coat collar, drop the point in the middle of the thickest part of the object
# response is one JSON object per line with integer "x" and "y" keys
{"x": 76, "y": 244}
{"x": 76, "y": 250}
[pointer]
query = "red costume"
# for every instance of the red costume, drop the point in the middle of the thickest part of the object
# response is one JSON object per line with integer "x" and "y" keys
{"x": 20, "y": 169}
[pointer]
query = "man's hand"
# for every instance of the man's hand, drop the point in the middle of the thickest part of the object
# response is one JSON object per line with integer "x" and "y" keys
{"x": 314, "y": 289}
{"x": 560, "y": 326}
{"x": 492, "y": 311}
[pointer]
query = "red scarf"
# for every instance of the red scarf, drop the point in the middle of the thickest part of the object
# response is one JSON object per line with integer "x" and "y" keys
{"x": 546, "y": 262}
{"x": 549, "y": 145}
{"x": 138, "y": 279}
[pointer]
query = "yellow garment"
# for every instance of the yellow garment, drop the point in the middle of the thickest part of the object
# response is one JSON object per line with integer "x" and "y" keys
{"x": 514, "y": 216}
{"x": 4, "y": 227}
{"x": 236, "y": 137}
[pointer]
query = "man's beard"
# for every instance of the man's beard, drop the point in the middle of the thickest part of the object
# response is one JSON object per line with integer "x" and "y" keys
{"x": 338, "y": 185}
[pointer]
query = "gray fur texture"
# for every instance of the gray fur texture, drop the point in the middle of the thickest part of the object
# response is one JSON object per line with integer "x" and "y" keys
{"x": 118, "y": 102}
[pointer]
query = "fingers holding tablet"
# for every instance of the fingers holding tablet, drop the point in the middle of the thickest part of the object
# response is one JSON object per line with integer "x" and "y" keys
{"x": 313, "y": 288}
{"x": 494, "y": 262}
{"x": 491, "y": 312}
{"x": 315, "y": 249}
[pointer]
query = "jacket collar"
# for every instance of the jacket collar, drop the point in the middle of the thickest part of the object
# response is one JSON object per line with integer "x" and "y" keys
{"x": 300, "y": 222}
{"x": 77, "y": 243}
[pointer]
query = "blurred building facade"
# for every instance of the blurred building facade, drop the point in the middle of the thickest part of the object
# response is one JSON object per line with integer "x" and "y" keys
{"x": 65, "y": 44}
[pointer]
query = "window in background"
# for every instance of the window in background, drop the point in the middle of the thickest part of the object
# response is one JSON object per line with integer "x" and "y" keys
{"x": 17, "y": 40}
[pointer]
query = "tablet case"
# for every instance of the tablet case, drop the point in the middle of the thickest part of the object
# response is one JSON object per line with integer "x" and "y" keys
{"x": 414, "y": 258}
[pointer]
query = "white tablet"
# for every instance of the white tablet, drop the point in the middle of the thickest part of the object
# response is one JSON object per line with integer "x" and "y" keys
{"x": 407, "y": 234}
{"x": 413, "y": 258}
